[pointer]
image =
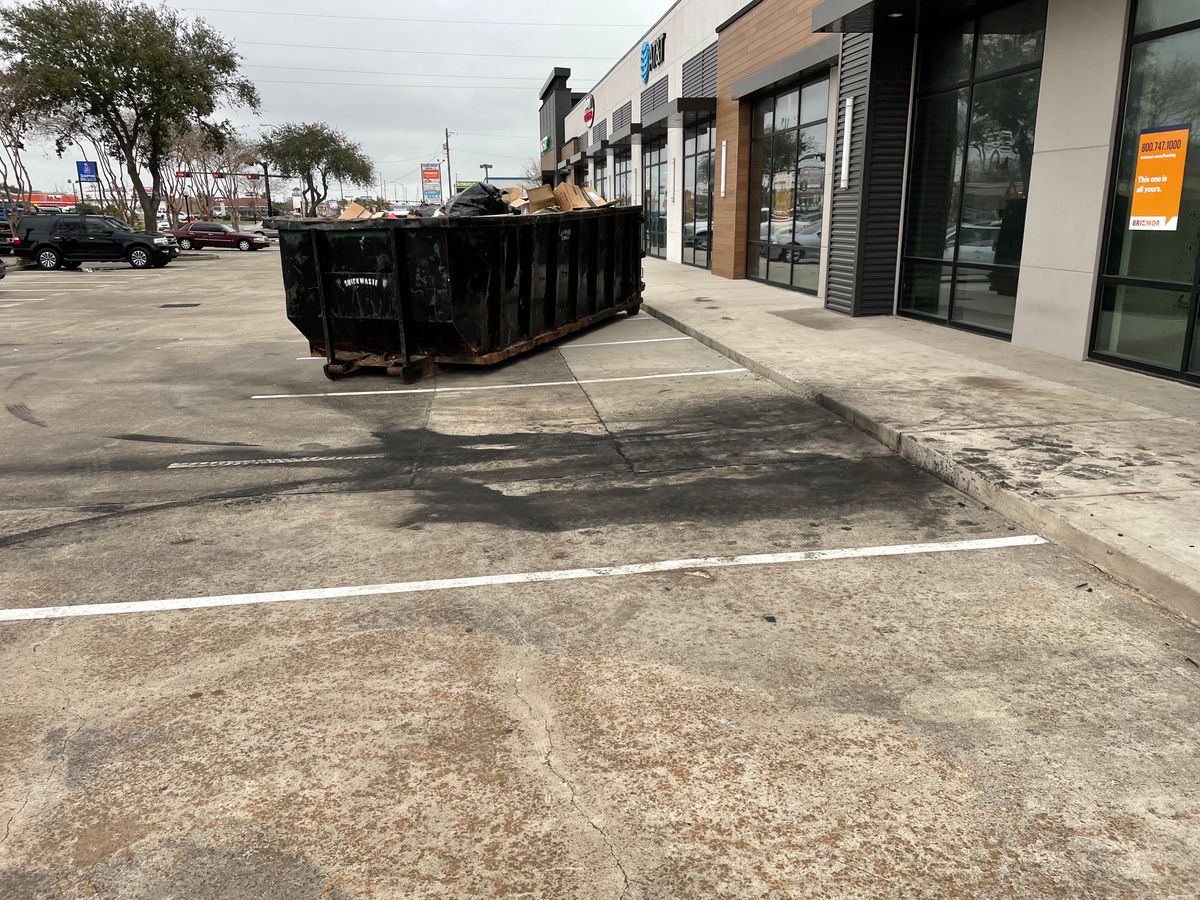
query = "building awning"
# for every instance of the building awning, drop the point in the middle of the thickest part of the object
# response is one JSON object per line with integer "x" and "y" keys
{"x": 892, "y": 15}
{"x": 819, "y": 56}
{"x": 600, "y": 148}
{"x": 625, "y": 135}
{"x": 674, "y": 113}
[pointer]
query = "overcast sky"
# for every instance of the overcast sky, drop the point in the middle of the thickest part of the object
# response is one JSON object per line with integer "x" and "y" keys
{"x": 403, "y": 100}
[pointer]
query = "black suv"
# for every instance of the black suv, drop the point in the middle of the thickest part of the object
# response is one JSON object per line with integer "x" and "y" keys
{"x": 67, "y": 240}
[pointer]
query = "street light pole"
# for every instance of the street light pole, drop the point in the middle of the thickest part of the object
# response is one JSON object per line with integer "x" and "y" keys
{"x": 487, "y": 168}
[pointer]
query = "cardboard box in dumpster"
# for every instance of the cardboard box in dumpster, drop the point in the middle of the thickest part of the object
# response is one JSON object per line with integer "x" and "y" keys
{"x": 539, "y": 198}
{"x": 355, "y": 211}
{"x": 574, "y": 197}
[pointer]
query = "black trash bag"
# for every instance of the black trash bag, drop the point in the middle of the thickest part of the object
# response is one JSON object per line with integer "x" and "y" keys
{"x": 427, "y": 210}
{"x": 480, "y": 199}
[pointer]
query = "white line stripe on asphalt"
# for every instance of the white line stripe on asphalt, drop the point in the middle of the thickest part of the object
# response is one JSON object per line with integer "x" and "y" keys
{"x": 446, "y": 584}
{"x": 279, "y": 461}
{"x": 619, "y": 343}
{"x": 500, "y": 387}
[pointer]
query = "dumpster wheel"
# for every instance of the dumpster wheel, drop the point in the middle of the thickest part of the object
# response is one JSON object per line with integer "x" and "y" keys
{"x": 334, "y": 371}
{"x": 633, "y": 310}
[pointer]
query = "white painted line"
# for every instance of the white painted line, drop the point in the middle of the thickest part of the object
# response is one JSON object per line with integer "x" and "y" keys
{"x": 446, "y": 584}
{"x": 280, "y": 461}
{"x": 500, "y": 387}
{"x": 619, "y": 343}
{"x": 317, "y": 358}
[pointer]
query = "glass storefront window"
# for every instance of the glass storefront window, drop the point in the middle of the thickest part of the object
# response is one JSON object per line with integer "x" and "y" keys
{"x": 1148, "y": 304}
{"x": 1164, "y": 89}
{"x": 1153, "y": 15}
{"x": 654, "y": 204}
{"x": 601, "y": 176}
{"x": 1143, "y": 325}
{"x": 697, "y": 191}
{"x": 622, "y": 164}
{"x": 787, "y": 186}
{"x": 971, "y": 161}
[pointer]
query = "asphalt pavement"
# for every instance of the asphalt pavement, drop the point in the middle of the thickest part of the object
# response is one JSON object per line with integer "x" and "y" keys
{"x": 616, "y": 619}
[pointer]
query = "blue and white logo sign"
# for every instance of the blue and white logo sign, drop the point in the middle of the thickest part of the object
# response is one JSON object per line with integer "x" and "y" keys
{"x": 653, "y": 54}
{"x": 86, "y": 170}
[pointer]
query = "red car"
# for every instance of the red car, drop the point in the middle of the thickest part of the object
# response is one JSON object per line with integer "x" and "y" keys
{"x": 214, "y": 234}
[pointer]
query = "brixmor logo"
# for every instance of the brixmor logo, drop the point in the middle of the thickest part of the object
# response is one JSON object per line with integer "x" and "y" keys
{"x": 653, "y": 54}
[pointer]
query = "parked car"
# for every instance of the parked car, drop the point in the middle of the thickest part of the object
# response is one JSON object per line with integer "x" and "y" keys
{"x": 68, "y": 240}
{"x": 3, "y": 269}
{"x": 6, "y": 238}
{"x": 266, "y": 228}
{"x": 214, "y": 234}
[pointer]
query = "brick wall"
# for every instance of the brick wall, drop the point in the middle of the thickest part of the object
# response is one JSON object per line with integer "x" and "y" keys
{"x": 773, "y": 30}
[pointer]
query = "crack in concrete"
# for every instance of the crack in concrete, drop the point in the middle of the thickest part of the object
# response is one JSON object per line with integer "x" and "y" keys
{"x": 62, "y": 754}
{"x": 599, "y": 418}
{"x": 548, "y": 762}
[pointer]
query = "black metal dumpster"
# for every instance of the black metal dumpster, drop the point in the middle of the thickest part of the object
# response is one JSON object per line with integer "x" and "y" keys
{"x": 407, "y": 293}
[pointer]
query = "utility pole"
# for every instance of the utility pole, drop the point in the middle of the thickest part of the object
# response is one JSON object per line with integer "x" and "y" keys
{"x": 267, "y": 188}
{"x": 449, "y": 172}
{"x": 487, "y": 167}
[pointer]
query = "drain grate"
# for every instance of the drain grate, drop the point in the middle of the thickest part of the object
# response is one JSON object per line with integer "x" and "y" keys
{"x": 177, "y": 305}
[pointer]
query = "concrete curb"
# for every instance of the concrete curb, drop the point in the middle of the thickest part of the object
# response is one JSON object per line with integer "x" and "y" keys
{"x": 1146, "y": 571}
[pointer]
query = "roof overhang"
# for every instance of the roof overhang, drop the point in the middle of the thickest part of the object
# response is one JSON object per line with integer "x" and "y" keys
{"x": 896, "y": 16}
{"x": 674, "y": 113}
{"x": 820, "y": 55}
{"x": 600, "y": 148}
{"x": 867, "y": 15}
{"x": 625, "y": 135}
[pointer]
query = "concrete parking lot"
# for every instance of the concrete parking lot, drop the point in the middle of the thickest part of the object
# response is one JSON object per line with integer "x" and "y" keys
{"x": 615, "y": 620}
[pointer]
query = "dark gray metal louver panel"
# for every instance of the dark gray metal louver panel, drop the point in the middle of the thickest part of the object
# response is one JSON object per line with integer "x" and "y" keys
{"x": 700, "y": 73}
{"x": 623, "y": 116}
{"x": 655, "y": 95}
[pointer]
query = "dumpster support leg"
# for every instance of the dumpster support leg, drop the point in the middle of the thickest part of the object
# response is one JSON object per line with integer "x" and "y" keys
{"x": 332, "y": 368}
{"x": 406, "y": 370}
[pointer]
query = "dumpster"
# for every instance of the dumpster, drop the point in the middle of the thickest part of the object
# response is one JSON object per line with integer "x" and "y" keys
{"x": 408, "y": 294}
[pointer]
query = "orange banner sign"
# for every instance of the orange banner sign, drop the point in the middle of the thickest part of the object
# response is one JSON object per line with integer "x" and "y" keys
{"x": 1158, "y": 180}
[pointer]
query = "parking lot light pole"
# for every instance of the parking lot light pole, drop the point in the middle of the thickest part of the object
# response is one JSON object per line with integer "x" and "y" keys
{"x": 487, "y": 167}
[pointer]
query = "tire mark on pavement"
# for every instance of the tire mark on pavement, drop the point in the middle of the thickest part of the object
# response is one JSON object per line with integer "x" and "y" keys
{"x": 23, "y": 412}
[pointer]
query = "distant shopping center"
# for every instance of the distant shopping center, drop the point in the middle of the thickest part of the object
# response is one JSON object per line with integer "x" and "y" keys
{"x": 1025, "y": 170}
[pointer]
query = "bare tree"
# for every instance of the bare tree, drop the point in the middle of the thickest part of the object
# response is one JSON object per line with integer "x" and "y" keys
{"x": 16, "y": 126}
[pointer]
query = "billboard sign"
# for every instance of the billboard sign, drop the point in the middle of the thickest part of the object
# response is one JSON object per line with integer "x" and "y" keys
{"x": 1158, "y": 179}
{"x": 431, "y": 182}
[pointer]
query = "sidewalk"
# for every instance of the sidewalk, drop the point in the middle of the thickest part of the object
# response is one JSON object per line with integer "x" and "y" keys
{"x": 1104, "y": 461}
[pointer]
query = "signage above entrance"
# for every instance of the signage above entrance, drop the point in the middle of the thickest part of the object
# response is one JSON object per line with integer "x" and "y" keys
{"x": 654, "y": 54}
{"x": 589, "y": 109}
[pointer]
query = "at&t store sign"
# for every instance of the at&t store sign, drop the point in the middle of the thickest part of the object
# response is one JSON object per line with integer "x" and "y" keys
{"x": 654, "y": 53}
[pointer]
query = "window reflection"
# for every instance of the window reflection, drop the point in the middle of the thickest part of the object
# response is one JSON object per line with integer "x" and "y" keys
{"x": 972, "y": 157}
{"x": 788, "y": 163}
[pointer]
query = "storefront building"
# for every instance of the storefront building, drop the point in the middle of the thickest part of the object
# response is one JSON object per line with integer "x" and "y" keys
{"x": 1027, "y": 170}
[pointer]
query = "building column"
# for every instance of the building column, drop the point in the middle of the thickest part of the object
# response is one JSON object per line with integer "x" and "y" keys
{"x": 730, "y": 213}
{"x": 674, "y": 194}
{"x": 1068, "y": 188}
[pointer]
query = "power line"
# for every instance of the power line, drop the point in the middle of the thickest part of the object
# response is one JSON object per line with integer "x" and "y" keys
{"x": 522, "y": 137}
{"x": 441, "y": 87}
{"x": 533, "y": 78}
{"x": 419, "y": 52}
{"x": 294, "y": 15}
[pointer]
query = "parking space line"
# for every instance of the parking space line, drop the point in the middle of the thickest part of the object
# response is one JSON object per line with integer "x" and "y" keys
{"x": 445, "y": 584}
{"x": 278, "y": 461}
{"x": 501, "y": 387}
{"x": 620, "y": 343}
